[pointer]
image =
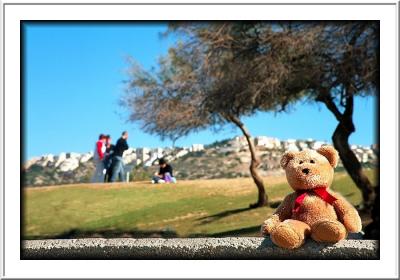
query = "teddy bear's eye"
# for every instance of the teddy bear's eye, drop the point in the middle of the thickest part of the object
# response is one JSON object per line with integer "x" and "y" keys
{"x": 301, "y": 162}
{"x": 312, "y": 161}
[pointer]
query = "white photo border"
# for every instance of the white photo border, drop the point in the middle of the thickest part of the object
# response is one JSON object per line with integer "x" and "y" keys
{"x": 13, "y": 267}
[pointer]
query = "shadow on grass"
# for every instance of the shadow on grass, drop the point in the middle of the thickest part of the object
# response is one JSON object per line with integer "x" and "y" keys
{"x": 110, "y": 233}
{"x": 275, "y": 204}
{"x": 220, "y": 215}
{"x": 349, "y": 194}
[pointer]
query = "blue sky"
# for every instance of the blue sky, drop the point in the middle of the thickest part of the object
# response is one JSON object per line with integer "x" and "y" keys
{"x": 74, "y": 77}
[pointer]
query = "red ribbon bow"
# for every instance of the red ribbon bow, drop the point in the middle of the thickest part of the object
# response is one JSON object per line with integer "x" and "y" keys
{"x": 319, "y": 191}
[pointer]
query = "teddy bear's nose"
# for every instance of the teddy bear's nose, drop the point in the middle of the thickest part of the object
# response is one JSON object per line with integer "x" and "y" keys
{"x": 306, "y": 170}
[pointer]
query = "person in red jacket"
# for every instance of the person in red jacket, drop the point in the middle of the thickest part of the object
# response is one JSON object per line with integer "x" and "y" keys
{"x": 98, "y": 155}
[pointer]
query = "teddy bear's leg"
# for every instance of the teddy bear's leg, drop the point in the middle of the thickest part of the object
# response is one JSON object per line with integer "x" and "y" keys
{"x": 290, "y": 234}
{"x": 328, "y": 231}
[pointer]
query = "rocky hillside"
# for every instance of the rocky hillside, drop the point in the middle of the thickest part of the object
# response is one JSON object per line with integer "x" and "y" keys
{"x": 224, "y": 159}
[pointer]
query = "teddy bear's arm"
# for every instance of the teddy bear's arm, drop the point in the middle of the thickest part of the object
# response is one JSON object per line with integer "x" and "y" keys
{"x": 283, "y": 212}
{"x": 347, "y": 214}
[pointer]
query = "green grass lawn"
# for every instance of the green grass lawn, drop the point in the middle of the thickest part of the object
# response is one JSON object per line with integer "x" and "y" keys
{"x": 186, "y": 209}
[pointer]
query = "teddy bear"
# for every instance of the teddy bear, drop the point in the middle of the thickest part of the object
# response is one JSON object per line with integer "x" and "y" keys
{"x": 312, "y": 210}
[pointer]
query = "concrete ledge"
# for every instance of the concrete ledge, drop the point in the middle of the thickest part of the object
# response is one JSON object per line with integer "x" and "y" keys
{"x": 193, "y": 248}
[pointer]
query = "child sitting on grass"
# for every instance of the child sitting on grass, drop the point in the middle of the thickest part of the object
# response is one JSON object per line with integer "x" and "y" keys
{"x": 164, "y": 175}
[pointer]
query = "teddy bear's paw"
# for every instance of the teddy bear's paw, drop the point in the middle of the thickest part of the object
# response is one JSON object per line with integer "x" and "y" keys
{"x": 286, "y": 237}
{"x": 352, "y": 223}
{"x": 328, "y": 231}
{"x": 264, "y": 230}
{"x": 268, "y": 226}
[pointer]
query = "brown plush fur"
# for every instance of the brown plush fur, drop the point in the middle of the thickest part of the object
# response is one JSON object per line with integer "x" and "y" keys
{"x": 316, "y": 218}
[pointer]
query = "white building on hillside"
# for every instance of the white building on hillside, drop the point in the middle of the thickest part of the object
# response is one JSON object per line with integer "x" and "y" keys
{"x": 267, "y": 142}
{"x": 303, "y": 145}
{"x": 143, "y": 154}
{"x": 158, "y": 152}
{"x": 317, "y": 144}
{"x": 197, "y": 147}
{"x": 181, "y": 153}
{"x": 290, "y": 145}
{"x": 238, "y": 141}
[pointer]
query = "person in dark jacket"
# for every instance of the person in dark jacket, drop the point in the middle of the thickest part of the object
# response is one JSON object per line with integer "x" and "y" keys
{"x": 118, "y": 164}
{"x": 165, "y": 174}
{"x": 108, "y": 159}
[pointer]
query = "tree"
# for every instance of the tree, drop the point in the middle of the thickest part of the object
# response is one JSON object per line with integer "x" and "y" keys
{"x": 347, "y": 58}
{"x": 210, "y": 79}
{"x": 238, "y": 86}
{"x": 224, "y": 71}
{"x": 334, "y": 62}
{"x": 159, "y": 103}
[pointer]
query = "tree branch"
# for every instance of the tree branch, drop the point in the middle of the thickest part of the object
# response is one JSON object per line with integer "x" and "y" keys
{"x": 327, "y": 99}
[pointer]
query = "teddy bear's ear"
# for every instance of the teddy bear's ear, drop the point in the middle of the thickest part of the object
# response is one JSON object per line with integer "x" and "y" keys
{"x": 288, "y": 156}
{"x": 330, "y": 153}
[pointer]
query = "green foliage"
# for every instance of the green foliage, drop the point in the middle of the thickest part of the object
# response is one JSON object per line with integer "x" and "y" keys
{"x": 86, "y": 178}
{"x": 197, "y": 154}
{"x": 183, "y": 174}
{"x": 141, "y": 174}
{"x": 218, "y": 143}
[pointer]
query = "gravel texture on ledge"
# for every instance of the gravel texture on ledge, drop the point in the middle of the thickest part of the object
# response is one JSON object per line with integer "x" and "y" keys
{"x": 193, "y": 248}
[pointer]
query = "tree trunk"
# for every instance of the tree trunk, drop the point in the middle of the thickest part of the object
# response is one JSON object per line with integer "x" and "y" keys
{"x": 341, "y": 142}
{"x": 173, "y": 143}
{"x": 372, "y": 231}
{"x": 351, "y": 163}
{"x": 255, "y": 162}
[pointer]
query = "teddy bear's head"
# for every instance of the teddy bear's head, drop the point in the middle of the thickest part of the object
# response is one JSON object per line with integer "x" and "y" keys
{"x": 309, "y": 169}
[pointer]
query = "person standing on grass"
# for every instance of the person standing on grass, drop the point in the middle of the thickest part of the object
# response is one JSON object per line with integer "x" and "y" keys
{"x": 98, "y": 157}
{"x": 118, "y": 164}
{"x": 164, "y": 175}
{"x": 108, "y": 159}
